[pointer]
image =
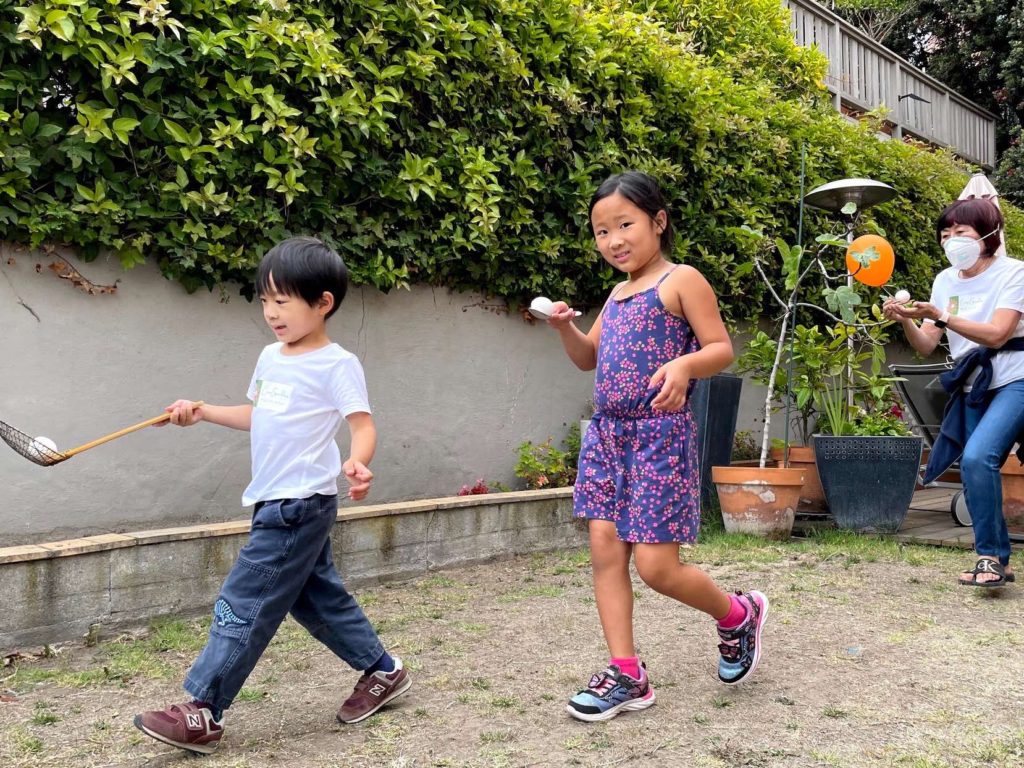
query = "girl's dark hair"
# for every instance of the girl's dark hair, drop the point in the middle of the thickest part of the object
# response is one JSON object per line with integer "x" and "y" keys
{"x": 977, "y": 212}
{"x": 643, "y": 192}
{"x": 305, "y": 267}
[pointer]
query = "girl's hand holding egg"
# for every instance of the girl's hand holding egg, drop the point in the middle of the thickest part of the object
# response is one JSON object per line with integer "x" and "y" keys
{"x": 558, "y": 311}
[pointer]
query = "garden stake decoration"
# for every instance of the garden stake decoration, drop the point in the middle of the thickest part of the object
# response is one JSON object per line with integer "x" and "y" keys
{"x": 43, "y": 451}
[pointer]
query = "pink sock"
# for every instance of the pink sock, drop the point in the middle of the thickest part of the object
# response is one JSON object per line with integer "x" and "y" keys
{"x": 736, "y": 615}
{"x": 629, "y": 665}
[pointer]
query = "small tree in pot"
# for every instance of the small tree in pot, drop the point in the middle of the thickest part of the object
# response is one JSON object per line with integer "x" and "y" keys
{"x": 768, "y": 493}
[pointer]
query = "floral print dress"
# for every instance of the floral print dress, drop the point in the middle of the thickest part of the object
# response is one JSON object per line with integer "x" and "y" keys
{"x": 639, "y": 467}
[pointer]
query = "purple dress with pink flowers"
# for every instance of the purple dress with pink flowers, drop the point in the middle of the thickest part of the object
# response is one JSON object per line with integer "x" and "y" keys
{"x": 638, "y": 467}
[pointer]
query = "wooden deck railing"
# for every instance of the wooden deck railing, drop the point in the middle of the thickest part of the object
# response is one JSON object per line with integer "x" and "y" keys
{"x": 864, "y": 74}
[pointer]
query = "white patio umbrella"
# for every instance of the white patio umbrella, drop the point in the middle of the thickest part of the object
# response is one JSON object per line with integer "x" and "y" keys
{"x": 980, "y": 186}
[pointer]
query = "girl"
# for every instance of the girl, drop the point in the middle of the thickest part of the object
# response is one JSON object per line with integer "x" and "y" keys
{"x": 639, "y": 480}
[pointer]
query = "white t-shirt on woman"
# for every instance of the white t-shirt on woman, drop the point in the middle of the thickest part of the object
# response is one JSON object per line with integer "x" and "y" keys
{"x": 977, "y": 298}
{"x": 298, "y": 402}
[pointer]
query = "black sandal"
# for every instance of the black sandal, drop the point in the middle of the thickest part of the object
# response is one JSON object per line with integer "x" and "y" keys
{"x": 984, "y": 565}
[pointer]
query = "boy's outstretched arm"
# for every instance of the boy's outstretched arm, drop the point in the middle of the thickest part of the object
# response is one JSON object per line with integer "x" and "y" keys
{"x": 364, "y": 443}
{"x": 184, "y": 413}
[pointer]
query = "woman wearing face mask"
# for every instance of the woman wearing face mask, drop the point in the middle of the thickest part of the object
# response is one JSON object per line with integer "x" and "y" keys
{"x": 978, "y": 302}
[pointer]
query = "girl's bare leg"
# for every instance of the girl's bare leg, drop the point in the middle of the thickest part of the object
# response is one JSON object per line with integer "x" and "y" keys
{"x": 613, "y": 588}
{"x": 659, "y": 567}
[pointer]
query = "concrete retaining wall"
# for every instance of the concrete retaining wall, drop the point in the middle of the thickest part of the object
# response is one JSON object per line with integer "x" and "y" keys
{"x": 54, "y": 592}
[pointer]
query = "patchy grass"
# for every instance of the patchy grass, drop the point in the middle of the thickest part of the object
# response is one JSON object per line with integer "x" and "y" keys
{"x": 895, "y": 678}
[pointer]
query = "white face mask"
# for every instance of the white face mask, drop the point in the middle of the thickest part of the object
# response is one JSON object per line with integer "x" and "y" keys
{"x": 963, "y": 251}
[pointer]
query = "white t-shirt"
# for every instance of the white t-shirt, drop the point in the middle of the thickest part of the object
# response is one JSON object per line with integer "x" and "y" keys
{"x": 298, "y": 404}
{"x": 1001, "y": 286}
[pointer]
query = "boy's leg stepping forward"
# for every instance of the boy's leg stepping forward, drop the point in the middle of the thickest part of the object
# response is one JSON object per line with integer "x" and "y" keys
{"x": 187, "y": 726}
{"x": 374, "y": 691}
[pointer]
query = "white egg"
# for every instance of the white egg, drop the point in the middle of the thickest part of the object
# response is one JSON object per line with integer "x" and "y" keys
{"x": 42, "y": 447}
{"x": 902, "y": 296}
{"x": 543, "y": 304}
{"x": 542, "y": 307}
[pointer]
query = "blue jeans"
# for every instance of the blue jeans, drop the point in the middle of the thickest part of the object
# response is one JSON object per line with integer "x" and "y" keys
{"x": 991, "y": 430}
{"x": 285, "y": 566}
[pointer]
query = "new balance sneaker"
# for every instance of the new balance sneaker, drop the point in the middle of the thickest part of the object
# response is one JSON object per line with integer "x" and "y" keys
{"x": 610, "y": 692}
{"x": 374, "y": 691}
{"x": 187, "y": 726}
{"x": 740, "y": 648}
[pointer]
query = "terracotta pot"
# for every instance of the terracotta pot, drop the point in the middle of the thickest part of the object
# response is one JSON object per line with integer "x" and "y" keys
{"x": 1012, "y": 474}
{"x": 812, "y": 495}
{"x": 758, "y": 501}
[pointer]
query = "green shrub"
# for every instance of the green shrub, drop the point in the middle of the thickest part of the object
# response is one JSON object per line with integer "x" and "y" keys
{"x": 542, "y": 465}
{"x": 452, "y": 143}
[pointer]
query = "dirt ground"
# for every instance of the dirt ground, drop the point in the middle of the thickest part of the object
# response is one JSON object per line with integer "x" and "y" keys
{"x": 873, "y": 657}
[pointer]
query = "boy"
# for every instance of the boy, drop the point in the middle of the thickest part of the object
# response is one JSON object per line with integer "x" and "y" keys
{"x": 302, "y": 387}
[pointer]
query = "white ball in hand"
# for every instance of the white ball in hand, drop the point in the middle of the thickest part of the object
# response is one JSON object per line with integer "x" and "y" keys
{"x": 902, "y": 296}
{"x": 542, "y": 307}
{"x": 42, "y": 447}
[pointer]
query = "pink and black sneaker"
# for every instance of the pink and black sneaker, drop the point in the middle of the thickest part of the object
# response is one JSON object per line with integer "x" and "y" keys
{"x": 610, "y": 692}
{"x": 740, "y": 648}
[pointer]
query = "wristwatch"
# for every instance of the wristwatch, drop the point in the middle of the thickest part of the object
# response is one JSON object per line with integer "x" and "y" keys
{"x": 943, "y": 320}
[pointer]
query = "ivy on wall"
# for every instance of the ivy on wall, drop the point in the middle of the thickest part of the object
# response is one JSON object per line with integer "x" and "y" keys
{"x": 454, "y": 143}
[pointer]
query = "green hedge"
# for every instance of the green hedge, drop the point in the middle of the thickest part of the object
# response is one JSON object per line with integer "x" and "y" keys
{"x": 455, "y": 143}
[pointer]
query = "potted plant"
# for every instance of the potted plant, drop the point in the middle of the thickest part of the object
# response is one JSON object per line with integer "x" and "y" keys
{"x": 867, "y": 458}
{"x": 762, "y": 500}
{"x": 812, "y": 357}
{"x": 852, "y": 334}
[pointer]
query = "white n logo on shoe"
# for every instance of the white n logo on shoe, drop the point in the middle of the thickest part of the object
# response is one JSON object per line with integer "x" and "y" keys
{"x": 377, "y": 689}
{"x": 193, "y": 720}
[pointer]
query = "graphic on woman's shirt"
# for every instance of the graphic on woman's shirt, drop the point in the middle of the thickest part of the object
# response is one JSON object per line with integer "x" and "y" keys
{"x": 272, "y": 396}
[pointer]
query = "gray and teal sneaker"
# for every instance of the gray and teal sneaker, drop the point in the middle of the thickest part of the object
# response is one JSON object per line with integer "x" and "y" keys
{"x": 609, "y": 693}
{"x": 740, "y": 648}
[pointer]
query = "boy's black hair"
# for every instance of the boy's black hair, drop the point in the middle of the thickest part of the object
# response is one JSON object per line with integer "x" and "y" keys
{"x": 642, "y": 191}
{"x": 976, "y": 212}
{"x": 305, "y": 267}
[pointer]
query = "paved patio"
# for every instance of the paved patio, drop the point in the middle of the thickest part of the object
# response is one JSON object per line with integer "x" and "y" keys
{"x": 928, "y": 522}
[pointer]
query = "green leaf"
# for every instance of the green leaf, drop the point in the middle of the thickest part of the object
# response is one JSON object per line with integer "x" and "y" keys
{"x": 152, "y": 85}
{"x": 125, "y": 124}
{"x": 30, "y": 123}
{"x": 47, "y": 130}
{"x": 178, "y": 133}
{"x": 849, "y": 209}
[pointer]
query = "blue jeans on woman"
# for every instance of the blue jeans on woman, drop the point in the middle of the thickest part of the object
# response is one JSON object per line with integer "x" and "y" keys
{"x": 285, "y": 567}
{"x": 991, "y": 429}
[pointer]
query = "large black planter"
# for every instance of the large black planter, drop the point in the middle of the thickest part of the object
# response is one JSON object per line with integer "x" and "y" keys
{"x": 715, "y": 403}
{"x": 868, "y": 481}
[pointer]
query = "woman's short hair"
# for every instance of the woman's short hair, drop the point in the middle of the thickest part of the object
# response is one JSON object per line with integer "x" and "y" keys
{"x": 305, "y": 267}
{"x": 977, "y": 212}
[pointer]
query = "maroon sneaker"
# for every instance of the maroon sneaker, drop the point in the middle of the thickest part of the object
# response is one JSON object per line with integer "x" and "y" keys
{"x": 374, "y": 691}
{"x": 187, "y": 726}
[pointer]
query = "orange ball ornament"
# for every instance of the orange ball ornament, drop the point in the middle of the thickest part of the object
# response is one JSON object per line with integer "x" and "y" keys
{"x": 871, "y": 260}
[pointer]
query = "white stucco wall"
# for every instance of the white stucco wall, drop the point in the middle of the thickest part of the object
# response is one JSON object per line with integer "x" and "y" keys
{"x": 455, "y": 382}
{"x": 455, "y": 387}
